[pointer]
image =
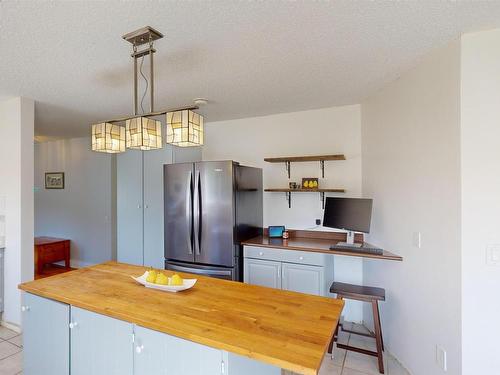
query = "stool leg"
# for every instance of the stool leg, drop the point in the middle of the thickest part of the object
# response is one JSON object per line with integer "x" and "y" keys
{"x": 336, "y": 334}
{"x": 378, "y": 336}
{"x": 330, "y": 347}
{"x": 381, "y": 334}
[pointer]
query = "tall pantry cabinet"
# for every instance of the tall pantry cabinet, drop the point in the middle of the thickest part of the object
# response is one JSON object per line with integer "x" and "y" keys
{"x": 139, "y": 198}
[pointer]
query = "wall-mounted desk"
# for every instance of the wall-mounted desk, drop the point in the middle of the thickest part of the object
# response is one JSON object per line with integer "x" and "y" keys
{"x": 317, "y": 245}
{"x": 303, "y": 263}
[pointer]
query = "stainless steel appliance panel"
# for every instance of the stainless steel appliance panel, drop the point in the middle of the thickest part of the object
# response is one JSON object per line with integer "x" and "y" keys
{"x": 214, "y": 213}
{"x": 248, "y": 202}
{"x": 178, "y": 188}
{"x": 197, "y": 269}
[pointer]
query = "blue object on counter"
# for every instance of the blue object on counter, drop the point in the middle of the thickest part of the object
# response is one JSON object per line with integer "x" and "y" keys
{"x": 275, "y": 231}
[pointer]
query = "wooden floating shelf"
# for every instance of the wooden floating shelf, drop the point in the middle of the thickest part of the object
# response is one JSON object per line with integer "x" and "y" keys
{"x": 305, "y": 190}
{"x": 298, "y": 159}
{"x": 290, "y": 191}
{"x": 295, "y": 159}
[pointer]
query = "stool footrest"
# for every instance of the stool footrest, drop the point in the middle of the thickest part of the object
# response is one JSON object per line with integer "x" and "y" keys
{"x": 358, "y": 350}
{"x": 359, "y": 333}
{"x": 372, "y": 335}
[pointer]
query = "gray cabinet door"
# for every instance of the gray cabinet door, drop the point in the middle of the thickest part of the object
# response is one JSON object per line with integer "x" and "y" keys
{"x": 100, "y": 345}
{"x": 45, "y": 336}
{"x": 161, "y": 354}
{"x": 303, "y": 278}
{"x": 153, "y": 205}
{"x": 186, "y": 154}
{"x": 262, "y": 272}
{"x": 129, "y": 207}
{"x": 239, "y": 365}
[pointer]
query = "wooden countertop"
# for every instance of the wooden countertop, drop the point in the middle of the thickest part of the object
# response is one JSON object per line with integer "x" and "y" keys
{"x": 285, "y": 329}
{"x": 317, "y": 245}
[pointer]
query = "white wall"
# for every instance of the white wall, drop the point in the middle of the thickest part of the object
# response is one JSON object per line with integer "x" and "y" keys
{"x": 480, "y": 201}
{"x": 323, "y": 131}
{"x": 16, "y": 186}
{"x": 411, "y": 168}
{"x": 84, "y": 210}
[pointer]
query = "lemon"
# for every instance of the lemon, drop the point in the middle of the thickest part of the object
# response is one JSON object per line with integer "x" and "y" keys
{"x": 176, "y": 280}
{"x": 151, "y": 276}
{"x": 315, "y": 183}
{"x": 306, "y": 184}
{"x": 161, "y": 279}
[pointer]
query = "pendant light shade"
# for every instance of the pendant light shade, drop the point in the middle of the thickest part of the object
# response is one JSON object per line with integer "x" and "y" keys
{"x": 143, "y": 134}
{"x": 108, "y": 138}
{"x": 184, "y": 128}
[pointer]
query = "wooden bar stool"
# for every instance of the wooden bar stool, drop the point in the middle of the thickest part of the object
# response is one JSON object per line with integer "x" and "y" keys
{"x": 365, "y": 294}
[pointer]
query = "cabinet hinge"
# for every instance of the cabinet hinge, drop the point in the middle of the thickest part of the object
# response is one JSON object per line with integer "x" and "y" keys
{"x": 222, "y": 367}
{"x": 133, "y": 338}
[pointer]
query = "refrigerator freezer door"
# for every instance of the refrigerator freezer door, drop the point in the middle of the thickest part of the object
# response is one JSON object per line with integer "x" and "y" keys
{"x": 214, "y": 213}
{"x": 217, "y": 272}
{"x": 178, "y": 183}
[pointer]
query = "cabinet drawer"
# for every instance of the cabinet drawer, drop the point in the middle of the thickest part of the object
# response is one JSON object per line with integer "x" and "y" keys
{"x": 304, "y": 257}
{"x": 52, "y": 253}
{"x": 263, "y": 253}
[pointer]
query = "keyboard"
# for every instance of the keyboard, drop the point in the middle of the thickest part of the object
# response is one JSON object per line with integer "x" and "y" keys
{"x": 365, "y": 249}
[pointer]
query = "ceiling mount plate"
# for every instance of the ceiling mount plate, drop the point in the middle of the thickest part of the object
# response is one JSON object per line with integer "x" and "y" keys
{"x": 141, "y": 36}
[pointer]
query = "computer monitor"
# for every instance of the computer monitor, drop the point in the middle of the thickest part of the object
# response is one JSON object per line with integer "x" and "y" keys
{"x": 351, "y": 214}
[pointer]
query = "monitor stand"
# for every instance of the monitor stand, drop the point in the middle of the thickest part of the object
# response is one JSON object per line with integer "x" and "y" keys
{"x": 349, "y": 242}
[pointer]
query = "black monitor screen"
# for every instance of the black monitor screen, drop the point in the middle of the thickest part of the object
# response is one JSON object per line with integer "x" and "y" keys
{"x": 352, "y": 214}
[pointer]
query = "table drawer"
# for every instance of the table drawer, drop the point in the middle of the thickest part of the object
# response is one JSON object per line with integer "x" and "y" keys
{"x": 52, "y": 252}
{"x": 304, "y": 257}
{"x": 263, "y": 253}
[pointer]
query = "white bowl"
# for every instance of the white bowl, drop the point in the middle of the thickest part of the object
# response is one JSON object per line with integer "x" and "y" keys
{"x": 186, "y": 284}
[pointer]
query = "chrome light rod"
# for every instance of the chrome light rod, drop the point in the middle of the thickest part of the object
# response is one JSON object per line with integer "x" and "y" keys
{"x": 152, "y": 114}
{"x": 145, "y": 35}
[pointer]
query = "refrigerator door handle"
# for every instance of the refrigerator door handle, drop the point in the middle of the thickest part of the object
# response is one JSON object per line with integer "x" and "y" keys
{"x": 197, "y": 213}
{"x": 189, "y": 212}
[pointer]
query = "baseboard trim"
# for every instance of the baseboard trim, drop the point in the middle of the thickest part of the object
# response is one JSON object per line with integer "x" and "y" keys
{"x": 11, "y": 326}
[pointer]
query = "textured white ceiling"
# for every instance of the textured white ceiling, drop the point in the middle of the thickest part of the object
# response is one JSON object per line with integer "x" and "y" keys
{"x": 248, "y": 58}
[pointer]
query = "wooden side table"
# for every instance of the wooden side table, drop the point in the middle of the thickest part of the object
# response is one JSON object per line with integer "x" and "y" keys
{"x": 50, "y": 250}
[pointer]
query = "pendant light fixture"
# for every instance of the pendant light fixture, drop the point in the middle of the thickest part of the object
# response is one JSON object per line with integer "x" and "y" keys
{"x": 108, "y": 138}
{"x": 184, "y": 128}
{"x": 144, "y": 132}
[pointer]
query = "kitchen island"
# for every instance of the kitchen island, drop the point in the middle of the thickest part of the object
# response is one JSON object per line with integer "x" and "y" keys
{"x": 98, "y": 320}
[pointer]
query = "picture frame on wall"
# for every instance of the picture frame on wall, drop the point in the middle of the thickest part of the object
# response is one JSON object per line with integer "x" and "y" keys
{"x": 54, "y": 180}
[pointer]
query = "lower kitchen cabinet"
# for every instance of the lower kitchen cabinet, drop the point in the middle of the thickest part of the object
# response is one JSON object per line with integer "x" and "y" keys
{"x": 238, "y": 365}
{"x": 303, "y": 278}
{"x": 45, "y": 336}
{"x": 161, "y": 354}
{"x": 262, "y": 272}
{"x": 298, "y": 271}
{"x": 100, "y": 345}
{"x": 60, "y": 339}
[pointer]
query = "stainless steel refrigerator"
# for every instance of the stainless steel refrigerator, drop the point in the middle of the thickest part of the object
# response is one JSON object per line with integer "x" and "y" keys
{"x": 210, "y": 207}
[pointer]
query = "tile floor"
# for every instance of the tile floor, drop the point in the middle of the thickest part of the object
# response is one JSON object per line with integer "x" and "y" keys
{"x": 10, "y": 352}
{"x": 351, "y": 363}
{"x": 343, "y": 363}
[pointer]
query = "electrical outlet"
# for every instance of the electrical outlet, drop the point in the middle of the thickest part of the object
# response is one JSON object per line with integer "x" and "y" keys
{"x": 441, "y": 358}
{"x": 417, "y": 239}
{"x": 493, "y": 255}
{"x": 318, "y": 221}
